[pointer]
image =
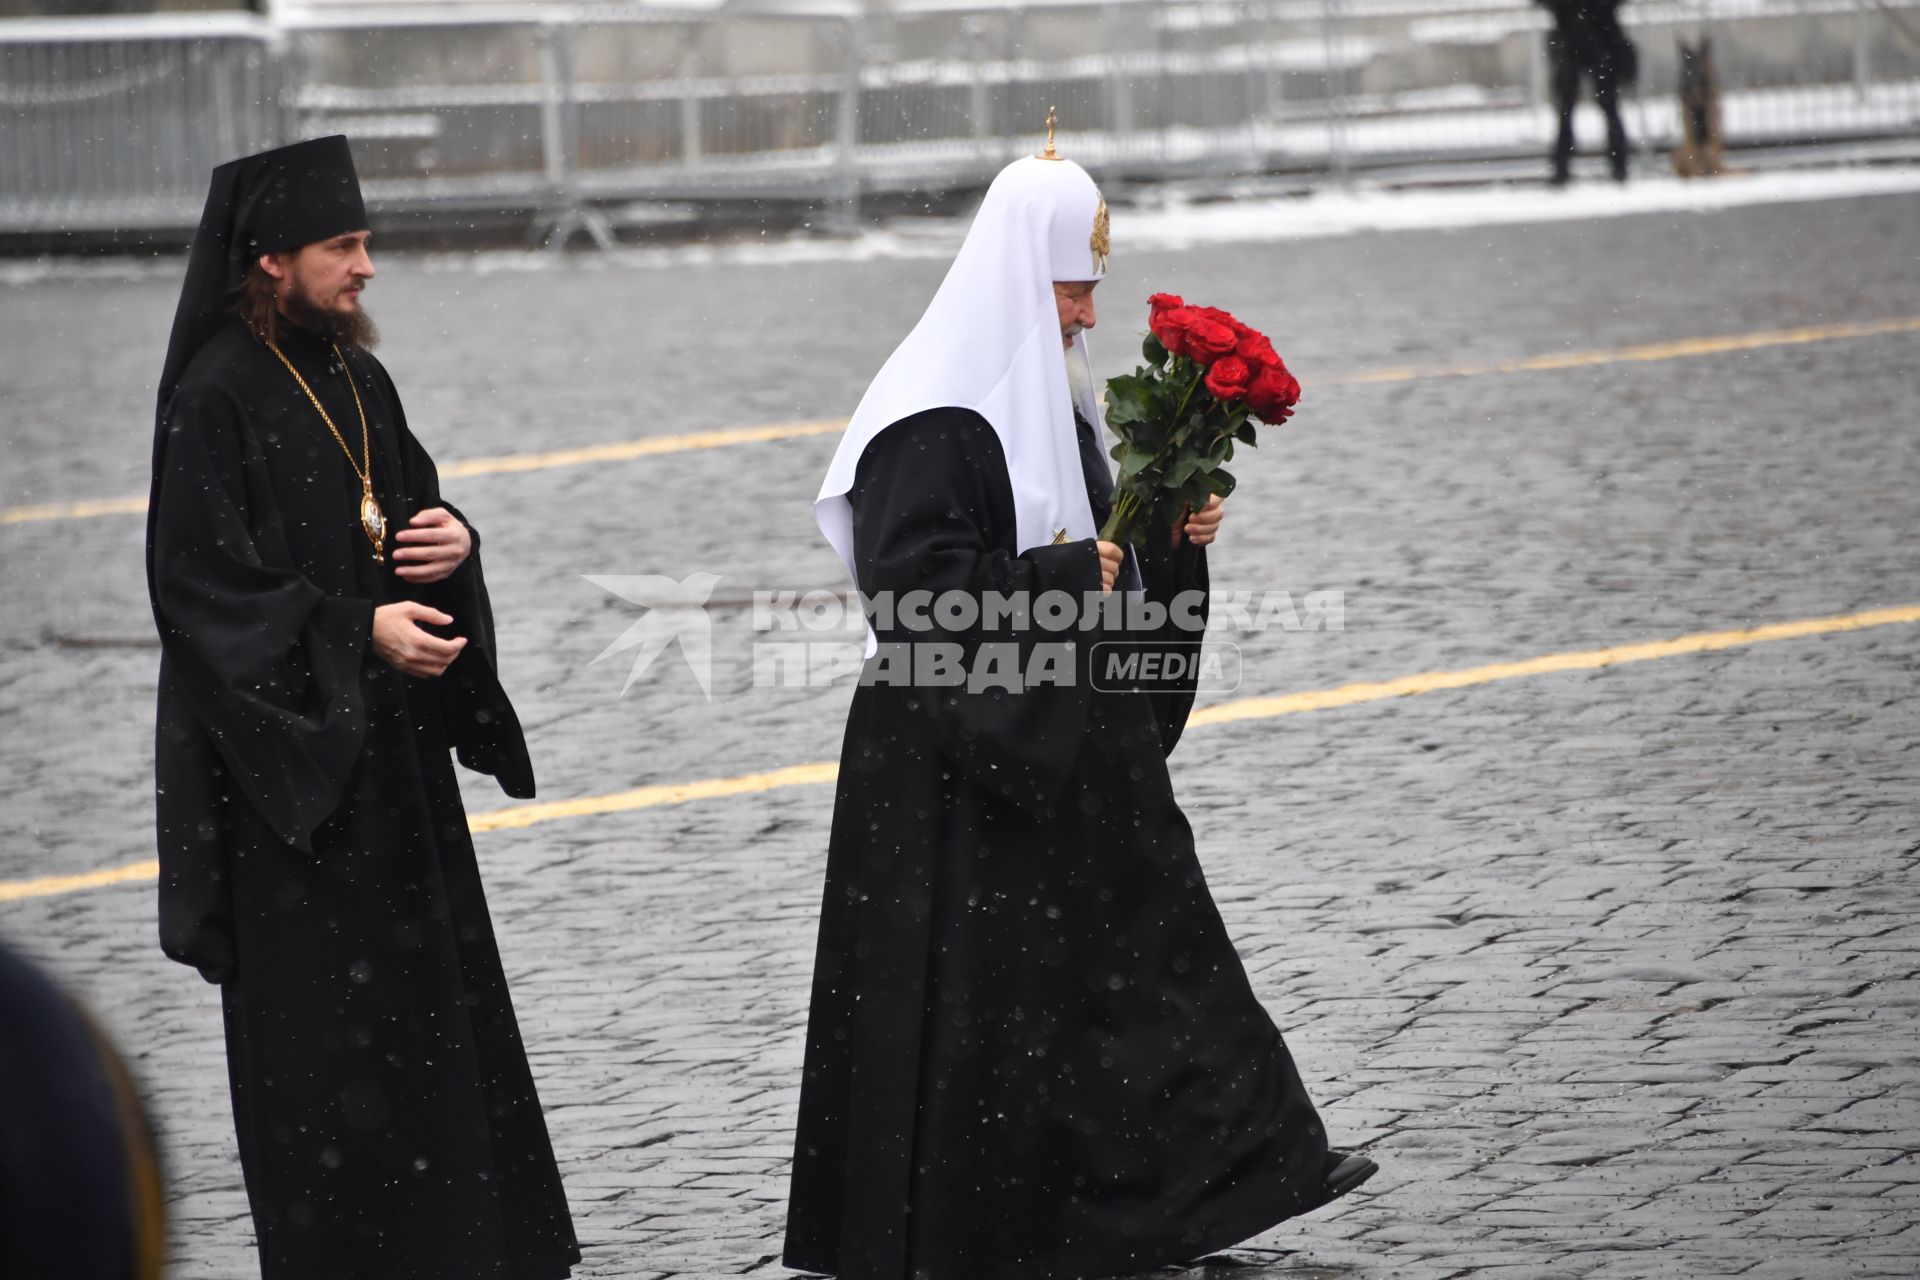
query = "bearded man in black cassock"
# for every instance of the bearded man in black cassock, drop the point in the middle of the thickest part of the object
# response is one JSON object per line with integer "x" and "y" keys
{"x": 317, "y": 671}
{"x": 1032, "y": 1050}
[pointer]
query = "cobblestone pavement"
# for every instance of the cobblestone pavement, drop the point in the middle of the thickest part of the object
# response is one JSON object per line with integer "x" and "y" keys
{"x": 1614, "y": 972}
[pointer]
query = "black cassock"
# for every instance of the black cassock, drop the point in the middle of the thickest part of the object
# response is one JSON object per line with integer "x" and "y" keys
{"x": 314, "y": 853}
{"x": 1032, "y": 1050}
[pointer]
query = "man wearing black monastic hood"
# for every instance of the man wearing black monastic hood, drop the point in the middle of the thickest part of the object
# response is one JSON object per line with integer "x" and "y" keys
{"x": 326, "y": 644}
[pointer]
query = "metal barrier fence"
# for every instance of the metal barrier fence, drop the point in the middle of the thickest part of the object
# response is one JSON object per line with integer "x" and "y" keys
{"x": 565, "y": 114}
{"x": 111, "y": 122}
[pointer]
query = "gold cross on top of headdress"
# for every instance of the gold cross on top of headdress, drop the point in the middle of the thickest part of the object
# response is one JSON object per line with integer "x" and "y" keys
{"x": 1053, "y": 118}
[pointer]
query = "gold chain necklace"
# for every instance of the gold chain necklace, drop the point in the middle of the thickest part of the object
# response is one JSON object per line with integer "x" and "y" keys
{"x": 373, "y": 521}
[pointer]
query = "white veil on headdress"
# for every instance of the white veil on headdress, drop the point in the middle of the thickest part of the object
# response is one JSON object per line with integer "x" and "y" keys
{"x": 990, "y": 342}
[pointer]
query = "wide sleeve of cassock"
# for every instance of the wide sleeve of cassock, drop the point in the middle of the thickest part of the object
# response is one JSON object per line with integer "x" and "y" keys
{"x": 191, "y": 795}
{"x": 480, "y": 719}
{"x": 267, "y": 662}
{"x": 933, "y": 511}
{"x": 1175, "y": 577}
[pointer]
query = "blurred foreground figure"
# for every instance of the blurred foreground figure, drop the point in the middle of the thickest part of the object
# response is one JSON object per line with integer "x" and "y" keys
{"x": 80, "y": 1187}
{"x": 1032, "y": 1050}
{"x": 316, "y": 672}
{"x": 1588, "y": 40}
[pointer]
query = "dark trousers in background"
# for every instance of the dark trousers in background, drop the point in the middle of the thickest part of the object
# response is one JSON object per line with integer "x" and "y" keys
{"x": 1606, "y": 90}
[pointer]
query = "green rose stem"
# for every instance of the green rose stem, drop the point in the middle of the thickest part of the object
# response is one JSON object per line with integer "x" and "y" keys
{"x": 1192, "y": 386}
{"x": 1126, "y": 510}
{"x": 1126, "y": 504}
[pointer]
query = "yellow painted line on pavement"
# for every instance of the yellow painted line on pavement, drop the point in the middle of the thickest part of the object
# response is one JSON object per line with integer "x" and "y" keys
{"x": 505, "y": 464}
{"x": 1586, "y": 660}
{"x": 627, "y": 450}
{"x": 1684, "y": 349}
{"x": 53, "y": 886}
{"x": 727, "y": 437}
{"x": 826, "y": 772}
{"x": 527, "y": 815}
{"x": 75, "y": 510}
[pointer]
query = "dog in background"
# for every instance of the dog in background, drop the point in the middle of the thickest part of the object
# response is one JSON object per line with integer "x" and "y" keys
{"x": 1699, "y": 155}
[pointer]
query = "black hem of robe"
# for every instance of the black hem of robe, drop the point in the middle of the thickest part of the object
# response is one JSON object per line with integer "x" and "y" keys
{"x": 1097, "y": 1263}
{"x": 547, "y": 1266}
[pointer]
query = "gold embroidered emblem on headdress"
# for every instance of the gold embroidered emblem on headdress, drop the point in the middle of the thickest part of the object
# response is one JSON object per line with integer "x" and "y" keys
{"x": 1102, "y": 240}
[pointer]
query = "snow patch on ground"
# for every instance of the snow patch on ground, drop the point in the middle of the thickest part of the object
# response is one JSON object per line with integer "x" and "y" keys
{"x": 1165, "y": 224}
{"x": 1332, "y": 212}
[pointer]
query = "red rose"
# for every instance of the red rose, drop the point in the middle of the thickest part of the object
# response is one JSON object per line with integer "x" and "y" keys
{"x": 1170, "y": 327}
{"x": 1229, "y": 378}
{"x": 1226, "y": 318}
{"x": 1208, "y": 340}
{"x": 1164, "y": 302}
{"x": 1257, "y": 351}
{"x": 1273, "y": 394}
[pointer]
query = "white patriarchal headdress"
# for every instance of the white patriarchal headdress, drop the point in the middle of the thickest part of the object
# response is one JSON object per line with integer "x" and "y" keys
{"x": 990, "y": 342}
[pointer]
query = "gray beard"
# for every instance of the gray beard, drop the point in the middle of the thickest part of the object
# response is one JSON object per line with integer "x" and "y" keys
{"x": 1080, "y": 385}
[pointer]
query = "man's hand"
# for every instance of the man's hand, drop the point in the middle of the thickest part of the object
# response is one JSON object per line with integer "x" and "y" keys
{"x": 1202, "y": 526}
{"x": 1111, "y": 558}
{"x": 402, "y": 645}
{"x": 431, "y": 547}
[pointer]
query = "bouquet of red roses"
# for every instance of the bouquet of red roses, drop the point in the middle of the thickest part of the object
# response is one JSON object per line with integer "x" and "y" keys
{"x": 1207, "y": 378}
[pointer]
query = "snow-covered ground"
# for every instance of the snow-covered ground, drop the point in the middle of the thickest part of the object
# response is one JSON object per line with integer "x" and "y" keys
{"x": 1170, "y": 219}
{"x": 1176, "y": 221}
{"x": 1333, "y": 212}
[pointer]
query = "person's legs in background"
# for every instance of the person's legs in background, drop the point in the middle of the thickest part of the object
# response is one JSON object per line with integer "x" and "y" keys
{"x": 1607, "y": 89}
{"x": 1566, "y": 87}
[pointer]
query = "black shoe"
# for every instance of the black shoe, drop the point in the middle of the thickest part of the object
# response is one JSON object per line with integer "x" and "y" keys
{"x": 1345, "y": 1171}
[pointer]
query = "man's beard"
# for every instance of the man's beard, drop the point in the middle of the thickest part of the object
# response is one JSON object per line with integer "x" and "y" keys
{"x": 1079, "y": 384}
{"x": 349, "y": 328}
